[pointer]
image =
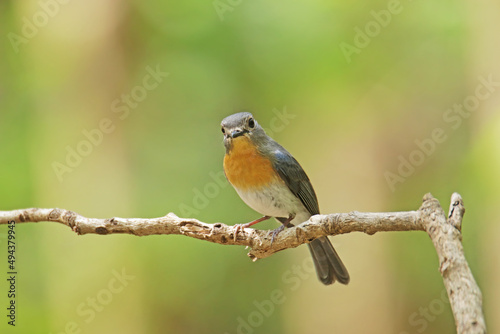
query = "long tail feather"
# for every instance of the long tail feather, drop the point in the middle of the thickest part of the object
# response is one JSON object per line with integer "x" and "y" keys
{"x": 329, "y": 266}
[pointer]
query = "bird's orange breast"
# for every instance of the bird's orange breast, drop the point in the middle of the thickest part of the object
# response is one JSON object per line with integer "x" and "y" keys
{"x": 245, "y": 167}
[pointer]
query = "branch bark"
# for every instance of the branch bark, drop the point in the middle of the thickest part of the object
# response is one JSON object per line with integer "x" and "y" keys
{"x": 444, "y": 231}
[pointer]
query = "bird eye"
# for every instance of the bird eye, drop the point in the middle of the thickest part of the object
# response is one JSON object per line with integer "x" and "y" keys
{"x": 223, "y": 130}
{"x": 251, "y": 123}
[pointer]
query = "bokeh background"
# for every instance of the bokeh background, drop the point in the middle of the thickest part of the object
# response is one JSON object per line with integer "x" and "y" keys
{"x": 349, "y": 118}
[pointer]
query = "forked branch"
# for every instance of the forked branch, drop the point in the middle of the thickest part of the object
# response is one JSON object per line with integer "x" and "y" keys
{"x": 445, "y": 232}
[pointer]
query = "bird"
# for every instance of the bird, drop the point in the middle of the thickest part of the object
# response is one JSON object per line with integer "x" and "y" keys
{"x": 271, "y": 181}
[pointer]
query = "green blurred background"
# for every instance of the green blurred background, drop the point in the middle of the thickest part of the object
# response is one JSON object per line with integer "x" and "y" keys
{"x": 65, "y": 67}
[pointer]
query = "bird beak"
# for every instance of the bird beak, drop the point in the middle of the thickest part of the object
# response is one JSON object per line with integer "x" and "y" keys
{"x": 236, "y": 133}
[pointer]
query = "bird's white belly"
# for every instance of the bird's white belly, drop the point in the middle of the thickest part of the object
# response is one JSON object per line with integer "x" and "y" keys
{"x": 275, "y": 200}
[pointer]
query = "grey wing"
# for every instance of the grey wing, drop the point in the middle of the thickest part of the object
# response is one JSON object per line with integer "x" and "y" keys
{"x": 295, "y": 178}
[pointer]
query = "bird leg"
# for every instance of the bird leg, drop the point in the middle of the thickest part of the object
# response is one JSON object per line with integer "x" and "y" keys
{"x": 256, "y": 221}
{"x": 285, "y": 223}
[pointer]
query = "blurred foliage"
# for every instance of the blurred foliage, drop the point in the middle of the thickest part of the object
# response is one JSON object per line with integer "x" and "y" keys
{"x": 67, "y": 66}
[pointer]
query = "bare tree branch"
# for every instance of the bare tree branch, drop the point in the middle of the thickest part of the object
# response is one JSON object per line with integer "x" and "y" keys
{"x": 463, "y": 291}
{"x": 445, "y": 232}
{"x": 258, "y": 240}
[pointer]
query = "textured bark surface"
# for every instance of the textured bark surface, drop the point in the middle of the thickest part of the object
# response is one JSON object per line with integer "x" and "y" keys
{"x": 463, "y": 291}
{"x": 444, "y": 230}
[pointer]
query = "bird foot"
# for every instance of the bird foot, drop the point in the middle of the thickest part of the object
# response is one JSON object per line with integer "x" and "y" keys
{"x": 275, "y": 232}
{"x": 238, "y": 227}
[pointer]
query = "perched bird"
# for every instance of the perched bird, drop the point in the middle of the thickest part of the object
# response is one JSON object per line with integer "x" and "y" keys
{"x": 270, "y": 181}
